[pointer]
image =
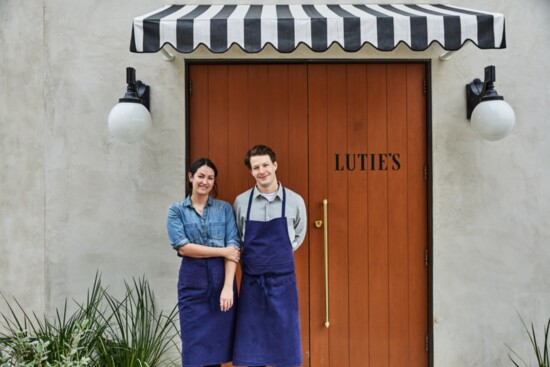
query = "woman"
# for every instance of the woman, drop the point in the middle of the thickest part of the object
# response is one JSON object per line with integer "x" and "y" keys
{"x": 203, "y": 232}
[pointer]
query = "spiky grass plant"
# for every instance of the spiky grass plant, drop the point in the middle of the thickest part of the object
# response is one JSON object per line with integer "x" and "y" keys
{"x": 541, "y": 355}
{"x": 138, "y": 335}
{"x": 68, "y": 338}
{"x": 103, "y": 332}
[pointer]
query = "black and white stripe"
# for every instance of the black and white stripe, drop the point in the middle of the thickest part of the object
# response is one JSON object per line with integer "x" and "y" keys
{"x": 285, "y": 27}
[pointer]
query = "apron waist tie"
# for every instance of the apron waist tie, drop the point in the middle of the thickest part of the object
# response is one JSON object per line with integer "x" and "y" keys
{"x": 264, "y": 284}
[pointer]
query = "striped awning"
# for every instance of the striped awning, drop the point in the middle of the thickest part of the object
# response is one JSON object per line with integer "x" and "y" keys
{"x": 285, "y": 27}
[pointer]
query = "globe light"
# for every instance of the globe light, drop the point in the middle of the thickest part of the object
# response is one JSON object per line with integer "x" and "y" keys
{"x": 130, "y": 120}
{"x": 491, "y": 117}
{"x": 493, "y": 120}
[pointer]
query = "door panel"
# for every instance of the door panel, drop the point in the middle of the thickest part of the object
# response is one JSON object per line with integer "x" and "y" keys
{"x": 355, "y": 135}
{"x": 357, "y": 224}
{"x": 377, "y": 214}
{"x": 318, "y": 135}
{"x": 371, "y": 171}
{"x": 233, "y": 107}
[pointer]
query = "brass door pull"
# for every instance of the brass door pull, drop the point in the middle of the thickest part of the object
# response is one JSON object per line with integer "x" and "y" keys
{"x": 325, "y": 212}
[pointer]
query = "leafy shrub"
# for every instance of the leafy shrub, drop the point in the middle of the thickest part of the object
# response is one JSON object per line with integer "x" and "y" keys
{"x": 103, "y": 332}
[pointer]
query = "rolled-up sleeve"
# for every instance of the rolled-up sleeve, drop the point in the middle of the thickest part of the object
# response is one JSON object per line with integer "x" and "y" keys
{"x": 176, "y": 230}
{"x": 231, "y": 232}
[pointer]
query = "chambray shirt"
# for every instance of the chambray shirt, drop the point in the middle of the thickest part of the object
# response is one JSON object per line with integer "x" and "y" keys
{"x": 264, "y": 210}
{"x": 215, "y": 228}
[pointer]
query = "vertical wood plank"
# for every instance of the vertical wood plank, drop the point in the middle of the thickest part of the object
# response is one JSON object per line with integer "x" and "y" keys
{"x": 337, "y": 218}
{"x": 258, "y": 86}
{"x": 198, "y": 112}
{"x": 418, "y": 230}
{"x": 218, "y": 121}
{"x": 237, "y": 175}
{"x": 397, "y": 216}
{"x": 258, "y": 126}
{"x": 377, "y": 216}
{"x": 317, "y": 97}
{"x": 278, "y": 116}
{"x": 298, "y": 180}
{"x": 357, "y": 217}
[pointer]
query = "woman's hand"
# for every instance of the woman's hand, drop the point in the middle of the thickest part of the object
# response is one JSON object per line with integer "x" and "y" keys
{"x": 226, "y": 299}
{"x": 232, "y": 253}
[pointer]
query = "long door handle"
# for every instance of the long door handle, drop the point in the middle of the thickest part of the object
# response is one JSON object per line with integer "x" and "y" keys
{"x": 325, "y": 230}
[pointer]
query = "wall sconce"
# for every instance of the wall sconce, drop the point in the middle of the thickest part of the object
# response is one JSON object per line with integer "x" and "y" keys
{"x": 491, "y": 117}
{"x": 130, "y": 119}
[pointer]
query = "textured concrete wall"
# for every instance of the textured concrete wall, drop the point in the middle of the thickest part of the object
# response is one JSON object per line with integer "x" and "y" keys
{"x": 75, "y": 200}
{"x": 492, "y": 199}
{"x": 22, "y": 131}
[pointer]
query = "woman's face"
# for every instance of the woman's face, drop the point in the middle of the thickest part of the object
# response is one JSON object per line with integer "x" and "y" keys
{"x": 203, "y": 180}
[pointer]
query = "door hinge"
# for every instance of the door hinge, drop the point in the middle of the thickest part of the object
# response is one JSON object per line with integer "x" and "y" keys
{"x": 425, "y": 86}
{"x": 425, "y": 172}
{"x": 426, "y": 257}
{"x": 190, "y": 87}
{"x": 427, "y": 343}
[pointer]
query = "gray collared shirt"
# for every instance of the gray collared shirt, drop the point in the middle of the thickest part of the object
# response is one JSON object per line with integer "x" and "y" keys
{"x": 264, "y": 210}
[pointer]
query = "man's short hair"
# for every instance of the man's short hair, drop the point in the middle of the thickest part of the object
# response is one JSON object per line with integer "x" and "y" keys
{"x": 259, "y": 150}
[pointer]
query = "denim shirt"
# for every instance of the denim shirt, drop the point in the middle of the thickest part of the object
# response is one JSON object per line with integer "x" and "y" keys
{"x": 215, "y": 228}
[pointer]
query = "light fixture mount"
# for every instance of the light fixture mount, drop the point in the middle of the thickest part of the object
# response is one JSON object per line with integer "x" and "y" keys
{"x": 491, "y": 117}
{"x": 478, "y": 91}
{"x": 137, "y": 91}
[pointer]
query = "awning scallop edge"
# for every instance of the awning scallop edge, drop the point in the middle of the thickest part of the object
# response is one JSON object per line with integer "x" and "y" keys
{"x": 285, "y": 27}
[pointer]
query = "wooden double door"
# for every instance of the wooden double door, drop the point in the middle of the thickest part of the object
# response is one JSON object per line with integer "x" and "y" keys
{"x": 351, "y": 139}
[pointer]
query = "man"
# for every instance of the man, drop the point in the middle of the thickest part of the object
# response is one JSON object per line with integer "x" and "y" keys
{"x": 272, "y": 223}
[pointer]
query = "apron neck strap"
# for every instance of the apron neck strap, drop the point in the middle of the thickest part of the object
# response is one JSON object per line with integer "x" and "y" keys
{"x": 284, "y": 203}
{"x": 252, "y": 197}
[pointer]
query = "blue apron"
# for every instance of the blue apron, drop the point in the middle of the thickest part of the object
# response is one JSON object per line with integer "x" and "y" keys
{"x": 268, "y": 318}
{"x": 206, "y": 332}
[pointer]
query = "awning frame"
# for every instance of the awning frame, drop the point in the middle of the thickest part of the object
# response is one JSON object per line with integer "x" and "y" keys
{"x": 169, "y": 56}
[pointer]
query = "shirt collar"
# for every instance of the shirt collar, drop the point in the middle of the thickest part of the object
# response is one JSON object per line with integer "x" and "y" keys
{"x": 187, "y": 201}
{"x": 279, "y": 192}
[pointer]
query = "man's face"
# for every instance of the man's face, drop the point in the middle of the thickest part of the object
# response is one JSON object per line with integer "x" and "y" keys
{"x": 263, "y": 170}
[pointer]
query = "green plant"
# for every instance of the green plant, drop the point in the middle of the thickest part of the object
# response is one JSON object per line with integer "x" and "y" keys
{"x": 68, "y": 338}
{"x": 22, "y": 351}
{"x": 138, "y": 335}
{"x": 102, "y": 332}
{"x": 541, "y": 355}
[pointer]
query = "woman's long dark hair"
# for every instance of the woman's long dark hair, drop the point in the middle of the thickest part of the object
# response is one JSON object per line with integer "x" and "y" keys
{"x": 193, "y": 169}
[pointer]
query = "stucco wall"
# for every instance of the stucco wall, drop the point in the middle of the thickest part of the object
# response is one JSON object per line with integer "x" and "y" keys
{"x": 22, "y": 132}
{"x": 75, "y": 200}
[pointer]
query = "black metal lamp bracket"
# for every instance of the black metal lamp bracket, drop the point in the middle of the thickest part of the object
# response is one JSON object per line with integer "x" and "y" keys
{"x": 478, "y": 91}
{"x": 137, "y": 91}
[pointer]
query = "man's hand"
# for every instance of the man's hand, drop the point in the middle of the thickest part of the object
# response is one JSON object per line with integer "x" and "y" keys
{"x": 232, "y": 253}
